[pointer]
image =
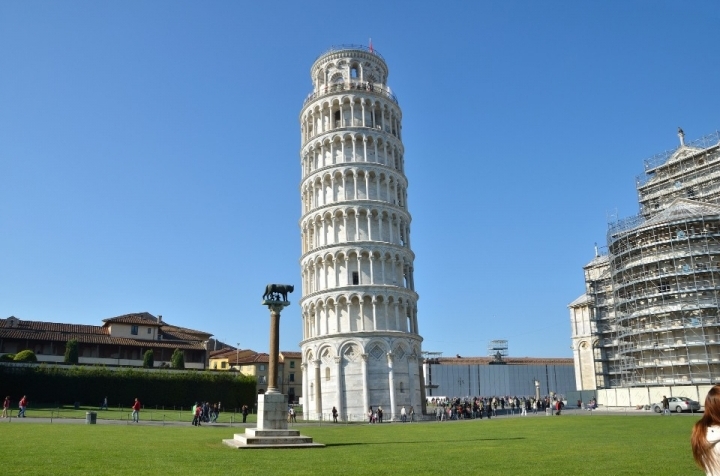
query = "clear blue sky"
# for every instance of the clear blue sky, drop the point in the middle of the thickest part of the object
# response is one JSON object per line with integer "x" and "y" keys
{"x": 149, "y": 152}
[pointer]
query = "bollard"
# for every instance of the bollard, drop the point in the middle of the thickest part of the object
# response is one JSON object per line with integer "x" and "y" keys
{"x": 90, "y": 418}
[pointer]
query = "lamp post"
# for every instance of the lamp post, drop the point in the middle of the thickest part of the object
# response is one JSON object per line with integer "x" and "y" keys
{"x": 237, "y": 353}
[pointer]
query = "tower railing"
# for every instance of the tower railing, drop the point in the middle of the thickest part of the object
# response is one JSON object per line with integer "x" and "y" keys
{"x": 353, "y": 85}
{"x": 366, "y": 49}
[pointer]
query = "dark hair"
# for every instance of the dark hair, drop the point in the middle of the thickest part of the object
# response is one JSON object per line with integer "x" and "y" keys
{"x": 702, "y": 450}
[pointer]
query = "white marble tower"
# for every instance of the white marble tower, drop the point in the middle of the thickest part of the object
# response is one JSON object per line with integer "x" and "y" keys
{"x": 361, "y": 345}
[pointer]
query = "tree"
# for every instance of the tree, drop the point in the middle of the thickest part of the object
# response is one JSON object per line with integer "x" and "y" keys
{"x": 25, "y": 356}
{"x": 178, "y": 359}
{"x": 71, "y": 352}
{"x": 149, "y": 359}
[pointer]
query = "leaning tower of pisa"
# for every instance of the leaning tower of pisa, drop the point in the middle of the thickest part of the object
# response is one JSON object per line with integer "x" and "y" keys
{"x": 361, "y": 346}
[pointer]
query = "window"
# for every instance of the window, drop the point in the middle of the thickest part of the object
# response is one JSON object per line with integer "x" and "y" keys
{"x": 292, "y": 364}
{"x": 327, "y": 373}
{"x": 134, "y": 330}
{"x": 215, "y": 365}
{"x": 223, "y": 365}
{"x": 149, "y": 330}
{"x": 292, "y": 377}
{"x": 356, "y": 277}
{"x": 262, "y": 367}
{"x": 262, "y": 379}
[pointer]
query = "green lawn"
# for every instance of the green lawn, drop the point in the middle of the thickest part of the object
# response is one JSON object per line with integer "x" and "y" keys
{"x": 116, "y": 413}
{"x": 572, "y": 445}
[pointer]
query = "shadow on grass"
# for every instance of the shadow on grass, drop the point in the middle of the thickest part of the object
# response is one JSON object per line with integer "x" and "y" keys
{"x": 425, "y": 441}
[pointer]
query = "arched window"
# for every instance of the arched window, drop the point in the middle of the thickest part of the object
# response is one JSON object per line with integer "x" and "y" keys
{"x": 327, "y": 373}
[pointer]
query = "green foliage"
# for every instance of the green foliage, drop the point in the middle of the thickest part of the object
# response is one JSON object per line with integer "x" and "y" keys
{"x": 149, "y": 359}
{"x": 71, "y": 352}
{"x": 178, "y": 359}
{"x": 65, "y": 385}
{"x": 25, "y": 356}
{"x": 7, "y": 357}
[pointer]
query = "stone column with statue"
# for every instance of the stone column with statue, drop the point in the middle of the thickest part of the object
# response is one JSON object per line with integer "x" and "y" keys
{"x": 272, "y": 430}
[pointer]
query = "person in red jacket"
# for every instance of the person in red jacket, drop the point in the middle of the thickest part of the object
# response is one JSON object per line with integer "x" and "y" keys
{"x": 23, "y": 406}
{"x": 136, "y": 411}
{"x": 6, "y": 407}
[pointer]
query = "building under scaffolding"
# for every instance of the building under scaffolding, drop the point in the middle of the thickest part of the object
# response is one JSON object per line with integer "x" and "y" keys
{"x": 649, "y": 317}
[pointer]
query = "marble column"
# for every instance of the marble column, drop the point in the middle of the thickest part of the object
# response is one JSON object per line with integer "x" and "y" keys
{"x": 363, "y": 363}
{"x": 338, "y": 387}
{"x": 318, "y": 392}
{"x": 391, "y": 384}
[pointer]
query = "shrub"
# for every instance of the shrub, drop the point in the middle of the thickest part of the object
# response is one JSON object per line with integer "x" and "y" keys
{"x": 7, "y": 357}
{"x": 71, "y": 352}
{"x": 149, "y": 359}
{"x": 178, "y": 359}
{"x": 25, "y": 356}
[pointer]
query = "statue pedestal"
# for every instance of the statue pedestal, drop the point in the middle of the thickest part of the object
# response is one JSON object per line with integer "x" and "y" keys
{"x": 271, "y": 431}
{"x": 272, "y": 411}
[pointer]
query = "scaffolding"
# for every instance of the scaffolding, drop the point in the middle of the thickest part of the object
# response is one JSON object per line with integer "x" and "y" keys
{"x": 692, "y": 171}
{"x": 598, "y": 285}
{"x": 498, "y": 349}
{"x": 666, "y": 291}
{"x": 655, "y": 296}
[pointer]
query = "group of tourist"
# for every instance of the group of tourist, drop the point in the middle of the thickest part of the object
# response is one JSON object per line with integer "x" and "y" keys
{"x": 376, "y": 416}
{"x": 207, "y": 412}
{"x": 479, "y": 407}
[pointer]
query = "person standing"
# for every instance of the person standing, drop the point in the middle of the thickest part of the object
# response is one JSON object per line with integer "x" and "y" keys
{"x": 136, "y": 411}
{"x": 23, "y": 406}
{"x": 104, "y": 405}
{"x": 666, "y": 405}
{"x": 6, "y": 406}
{"x": 244, "y": 412}
{"x": 412, "y": 414}
{"x": 403, "y": 415}
{"x": 197, "y": 411}
{"x": 334, "y": 414}
{"x": 706, "y": 435}
{"x": 379, "y": 414}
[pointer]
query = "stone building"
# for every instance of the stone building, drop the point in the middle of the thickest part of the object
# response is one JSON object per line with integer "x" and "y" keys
{"x": 120, "y": 341}
{"x": 248, "y": 362}
{"x": 648, "y": 323}
{"x": 361, "y": 345}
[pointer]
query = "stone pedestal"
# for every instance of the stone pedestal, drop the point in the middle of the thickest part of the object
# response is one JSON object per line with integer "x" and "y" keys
{"x": 271, "y": 431}
{"x": 272, "y": 411}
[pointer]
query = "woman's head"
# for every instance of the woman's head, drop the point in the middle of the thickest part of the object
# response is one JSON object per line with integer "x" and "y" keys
{"x": 703, "y": 452}
{"x": 712, "y": 405}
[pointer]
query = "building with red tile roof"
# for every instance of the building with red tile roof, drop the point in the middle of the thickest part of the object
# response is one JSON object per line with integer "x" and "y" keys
{"x": 120, "y": 341}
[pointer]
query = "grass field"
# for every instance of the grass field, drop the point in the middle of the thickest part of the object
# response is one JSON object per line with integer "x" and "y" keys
{"x": 573, "y": 445}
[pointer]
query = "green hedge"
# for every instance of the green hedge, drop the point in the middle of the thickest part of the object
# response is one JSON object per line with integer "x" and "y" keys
{"x": 50, "y": 384}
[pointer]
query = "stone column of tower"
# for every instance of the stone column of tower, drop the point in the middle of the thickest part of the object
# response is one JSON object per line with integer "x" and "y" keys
{"x": 359, "y": 305}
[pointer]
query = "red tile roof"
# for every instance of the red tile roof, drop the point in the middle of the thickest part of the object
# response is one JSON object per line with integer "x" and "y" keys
{"x": 144, "y": 318}
{"x": 58, "y": 332}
